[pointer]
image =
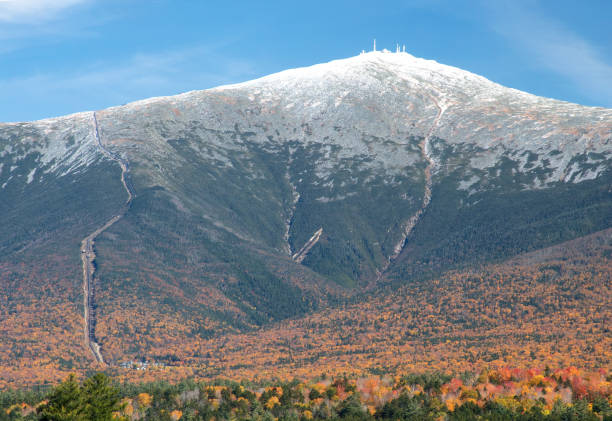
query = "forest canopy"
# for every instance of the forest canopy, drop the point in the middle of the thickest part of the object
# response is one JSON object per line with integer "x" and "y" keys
{"x": 501, "y": 394}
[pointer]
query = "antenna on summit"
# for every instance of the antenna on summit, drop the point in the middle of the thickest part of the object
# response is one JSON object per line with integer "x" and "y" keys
{"x": 374, "y": 45}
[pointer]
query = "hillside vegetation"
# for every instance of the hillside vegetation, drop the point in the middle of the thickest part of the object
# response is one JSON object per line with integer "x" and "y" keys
{"x": 381, "y": 212}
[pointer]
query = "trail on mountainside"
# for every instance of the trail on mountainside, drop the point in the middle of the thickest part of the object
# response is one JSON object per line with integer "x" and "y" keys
{"x": 425, "y": 147}
{"x": 88, "y": 254}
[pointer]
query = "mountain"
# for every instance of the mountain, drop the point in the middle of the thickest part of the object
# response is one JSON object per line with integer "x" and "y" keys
{"x": 221, "y": 211}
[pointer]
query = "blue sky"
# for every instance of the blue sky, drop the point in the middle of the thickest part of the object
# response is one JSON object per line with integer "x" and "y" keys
{"x": 64, "y": 56}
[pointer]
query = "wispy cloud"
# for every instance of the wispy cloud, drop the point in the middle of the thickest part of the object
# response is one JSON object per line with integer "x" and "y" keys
{"x": 553, "y": 46}
{"x": 160, "y": 72}
{"x": 105, "y": 83}
{"x": 32, "y": 11}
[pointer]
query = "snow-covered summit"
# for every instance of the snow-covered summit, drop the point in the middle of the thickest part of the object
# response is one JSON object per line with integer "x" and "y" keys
{"x": 353, "y": 67}
{"x": 378, "y": 74}
{"x": 377, "y": 68}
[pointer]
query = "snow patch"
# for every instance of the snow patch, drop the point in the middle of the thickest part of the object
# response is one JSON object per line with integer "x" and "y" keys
{"x": 337, "y": 198}
{"x": 466, "y": 184}
{"x": 7, "y": 181}
{"x": 588, "y": 174}
{"x": 31, "y": 176}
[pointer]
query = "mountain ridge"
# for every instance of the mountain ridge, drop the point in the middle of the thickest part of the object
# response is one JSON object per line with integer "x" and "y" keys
{"x": 272, "y": 199}
{"x": 380, "y": 57}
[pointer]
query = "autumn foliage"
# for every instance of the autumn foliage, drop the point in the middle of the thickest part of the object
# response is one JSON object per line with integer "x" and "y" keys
{"x": 498, "y": 394}
{"x": 522, "y": 314}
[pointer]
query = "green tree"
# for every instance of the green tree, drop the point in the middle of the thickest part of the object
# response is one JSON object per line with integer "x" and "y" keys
{"x": 65, "y": 403}
{"x": 352, "y": 409}
{"x": 101, "y": 398}
{"x": 95, "y": 400}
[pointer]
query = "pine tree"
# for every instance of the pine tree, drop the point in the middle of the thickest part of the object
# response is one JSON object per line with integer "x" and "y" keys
{"x": 95, "y": 400}
{"x": 101, "y": 398}
{"x": 65, "y": 403}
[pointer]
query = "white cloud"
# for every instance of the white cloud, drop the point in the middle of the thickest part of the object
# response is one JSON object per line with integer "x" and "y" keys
{"x": 29, "y": 11}
{"x": 553, "y": 46}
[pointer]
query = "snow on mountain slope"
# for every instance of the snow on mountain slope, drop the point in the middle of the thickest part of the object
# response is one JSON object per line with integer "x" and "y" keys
{"x": 368, "y": 71}
{"x": 57, "y": 146}
{"x": 484, "y": 119}
{"x": 499, "y": 120}
{"x": 326, "y": 136}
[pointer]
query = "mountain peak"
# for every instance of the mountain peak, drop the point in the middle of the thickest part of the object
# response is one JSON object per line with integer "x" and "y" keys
{"x": 381, "y": 71}
{"x": 221, "y": 210}
{"x": 374, "y": 74}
